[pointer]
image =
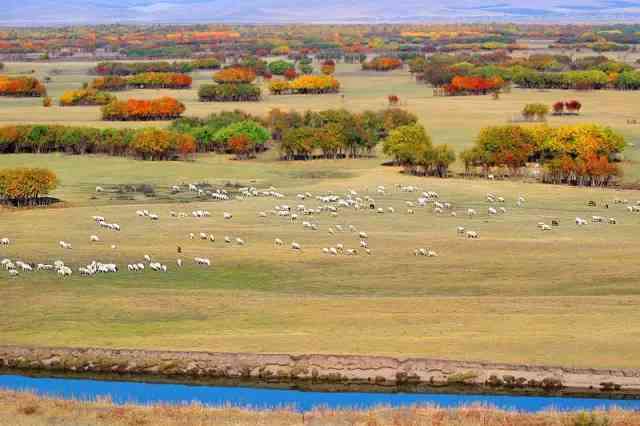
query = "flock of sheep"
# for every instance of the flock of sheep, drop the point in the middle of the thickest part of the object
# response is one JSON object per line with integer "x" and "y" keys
{"x": 307, "y": 211}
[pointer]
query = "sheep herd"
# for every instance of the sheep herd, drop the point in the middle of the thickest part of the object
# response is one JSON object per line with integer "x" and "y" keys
{"x": 306, "y": 210}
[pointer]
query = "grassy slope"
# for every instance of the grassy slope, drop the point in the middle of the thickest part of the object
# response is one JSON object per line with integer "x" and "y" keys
{"x": 516, "y": 295}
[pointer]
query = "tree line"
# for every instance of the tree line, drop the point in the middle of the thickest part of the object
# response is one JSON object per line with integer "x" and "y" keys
{"x": 305, "y": 84}
{"x": 152, "y": 144}
{"x": 21, "y": 87}
{"x": 131, "y": 68}
{"x": 164, "y": 108}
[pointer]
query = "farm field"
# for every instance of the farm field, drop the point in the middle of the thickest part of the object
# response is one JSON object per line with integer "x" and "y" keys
{"x": 451, "y": 120}
{"x": 568, "y": 296}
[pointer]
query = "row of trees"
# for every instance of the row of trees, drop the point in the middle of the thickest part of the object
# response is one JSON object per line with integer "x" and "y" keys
{"x": 160, "y": 80}
{"x": 24, "y": 186}
{"x": 410, "y": 147}
{"x": 463, "y": 85}
{"x": 382, "y": 63}
{"x": 583, "y": 154}
{"x": 153, "y": 144}
{"x": 110, "y": 83}
{"x": 164, "y": 108}
{"x": 21, "y": 87}
{"x": 228, "y": 92}
{"x": 85, "y": 97}
{"x": 305, "y": 84}
{"x": 131, "y": 68}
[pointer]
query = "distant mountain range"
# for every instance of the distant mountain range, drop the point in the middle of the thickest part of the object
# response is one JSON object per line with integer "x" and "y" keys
{"x": 61, "y": 12}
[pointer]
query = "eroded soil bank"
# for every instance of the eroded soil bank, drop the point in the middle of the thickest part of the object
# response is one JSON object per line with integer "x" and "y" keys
{"x": 323, "y": 372}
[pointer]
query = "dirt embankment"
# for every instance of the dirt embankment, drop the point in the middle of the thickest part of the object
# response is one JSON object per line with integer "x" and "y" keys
{"x": 346, "y": 370}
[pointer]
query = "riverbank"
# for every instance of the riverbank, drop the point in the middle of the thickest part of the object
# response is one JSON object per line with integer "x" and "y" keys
{"x": 324, "y": 372}
{"x": 22, "y": 409}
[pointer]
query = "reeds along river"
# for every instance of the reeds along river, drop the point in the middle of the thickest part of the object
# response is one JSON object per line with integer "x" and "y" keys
{"x": 257, "y": 398}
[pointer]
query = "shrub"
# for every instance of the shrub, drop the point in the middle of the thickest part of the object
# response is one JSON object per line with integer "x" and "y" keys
{"x": 229, "y": 92}
{"x": 573, "y": 106}
{"x": 85, "y": 97}
{"x": 328, "y": 67}
{"x": 206, "y": 64}
{"x": 558, "y": 108}
{"x": 393, "y": 100}
{"x": 47, "y": 101}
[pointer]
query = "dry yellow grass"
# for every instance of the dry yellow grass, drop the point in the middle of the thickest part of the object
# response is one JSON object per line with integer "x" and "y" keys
{"x": 25, "y": 409}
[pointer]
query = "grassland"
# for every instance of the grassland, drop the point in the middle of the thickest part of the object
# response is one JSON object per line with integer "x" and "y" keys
{"x": 25, "y": 409}
{"x": 516, "y": 295}
{"x": 568, "y": 297}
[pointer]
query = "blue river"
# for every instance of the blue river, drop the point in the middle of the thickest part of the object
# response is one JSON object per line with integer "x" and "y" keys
{"x": 260, "y": 398}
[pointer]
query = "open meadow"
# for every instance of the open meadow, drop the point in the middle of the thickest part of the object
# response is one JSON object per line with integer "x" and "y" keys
{"x": 568, "y": 296}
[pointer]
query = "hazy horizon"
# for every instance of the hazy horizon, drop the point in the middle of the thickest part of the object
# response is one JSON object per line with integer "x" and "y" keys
{"x": 74, "y": 12}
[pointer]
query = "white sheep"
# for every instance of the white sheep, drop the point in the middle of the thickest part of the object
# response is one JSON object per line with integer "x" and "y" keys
{"x": 296, "y": 246}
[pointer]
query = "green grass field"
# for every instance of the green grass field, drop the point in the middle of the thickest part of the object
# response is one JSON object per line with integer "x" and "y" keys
{"x": 569, "y": 296}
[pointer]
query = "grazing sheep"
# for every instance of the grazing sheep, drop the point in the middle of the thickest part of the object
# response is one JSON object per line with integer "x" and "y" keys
{"x": 13, "y": 272}
{"x": 240, "y": 241}
{"x": 65, "y": 245}
{"x": 212, "y": 238}
{"x": 471, "y": 212}
{"x": 363, "y": 235}
{"x": 410, "y": 211}
{"x": 296, "y": 246}
{"x": 179, "y": 263}
{"x": 227, "y": 239}
{"x": 472, "y": 234}
{"x": 5, "y": 242}
{"x": 580, "y": 221}
{"x": 227, "y": 216}
{"x": 99, "y": 189}
{"x": 545, "y": 227}
{"x": 278, "y": 242}
{"x": 333, "y": 251}
{"x": 555, "y": 222}
{"x": 147, "y": 258}
{"x": 325, "y": 250}
{"x": 94, "y": 239}
{"x": 492, "y": 211}
{"x": 460, "y": 230}
{"x": 612, "y": 221}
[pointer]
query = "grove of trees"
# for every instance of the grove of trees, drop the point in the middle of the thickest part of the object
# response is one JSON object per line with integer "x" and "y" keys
{"x": 85, "y": 97}
{"x": 164, "y": 108}
{"x": 305, "y": 84}
{"x": 23, "y": 186}
{"x": 229, "y": 92}
{"x": 153, "y": 144}
{"x": 582, "y": 154}
{"x": 160, "y": 80}
{"x": 21, "y": 87}
{"x": 410, "y": 147}
{"x": 382, "y": 63}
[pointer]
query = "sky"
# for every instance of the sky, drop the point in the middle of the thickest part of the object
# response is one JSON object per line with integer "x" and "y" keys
{"x": 61, "y": 12}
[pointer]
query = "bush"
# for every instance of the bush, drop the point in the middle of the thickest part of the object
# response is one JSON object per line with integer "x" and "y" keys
{"x": 139, "y": 110}
{"x": 229, "y": 92}
{"x": 206, "y": 64}
{"x": 85, "y": 97}
{"x": 47, "y": 102}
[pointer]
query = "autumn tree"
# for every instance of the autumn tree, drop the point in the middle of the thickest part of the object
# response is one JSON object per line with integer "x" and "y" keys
{"x": 24, "y": 186}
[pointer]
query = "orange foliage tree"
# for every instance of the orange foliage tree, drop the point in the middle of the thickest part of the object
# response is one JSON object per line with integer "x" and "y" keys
{"x": 24, "y": 186}
{"x": 21, "y": 87}
{"x": 164, "y": 108}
